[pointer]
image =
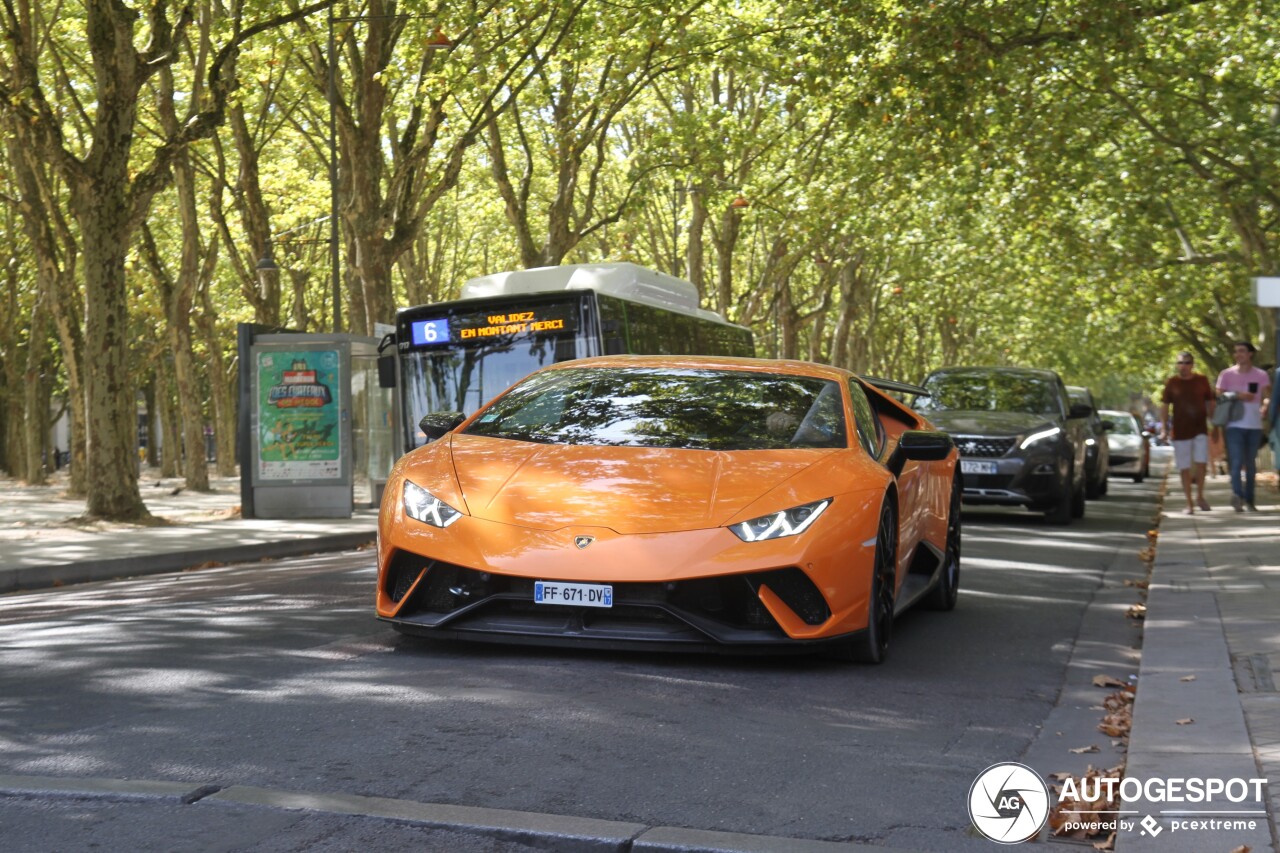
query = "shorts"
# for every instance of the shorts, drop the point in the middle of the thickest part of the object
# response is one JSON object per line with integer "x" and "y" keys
{"x": 1191, "y": 450}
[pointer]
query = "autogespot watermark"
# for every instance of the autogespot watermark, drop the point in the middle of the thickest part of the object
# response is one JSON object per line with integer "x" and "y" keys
{"x": 1009, "y": 803}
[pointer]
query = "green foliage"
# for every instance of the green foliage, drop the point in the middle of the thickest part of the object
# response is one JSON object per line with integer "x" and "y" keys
{"x": 899, "y": 186}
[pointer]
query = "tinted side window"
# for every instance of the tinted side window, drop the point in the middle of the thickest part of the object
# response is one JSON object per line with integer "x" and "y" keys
{"x": 870, "y": 432}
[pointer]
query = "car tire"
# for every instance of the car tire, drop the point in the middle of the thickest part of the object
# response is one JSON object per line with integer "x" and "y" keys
{"x": 1138, "y": 478}
{"x": 872, "y": 645}
{"x": 1060, "y": 512}
{"x": 1102, "y": 490}
{"x": 943, "y": 595}
{"x": 1092, "y": 488}
{"x": 1077, "y": 502}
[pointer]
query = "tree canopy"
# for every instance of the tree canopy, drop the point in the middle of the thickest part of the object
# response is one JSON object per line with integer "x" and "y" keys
{"x": 893, "y": 187}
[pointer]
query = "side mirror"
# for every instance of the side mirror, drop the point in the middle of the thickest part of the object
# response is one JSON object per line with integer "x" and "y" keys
{"x": 386, "y": 371}
{"x": 919, "y": 445}
{"x": 438, "y": 424}
{"x": 1080, "y": 410}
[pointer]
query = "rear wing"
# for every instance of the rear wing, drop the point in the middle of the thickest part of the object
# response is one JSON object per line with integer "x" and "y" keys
{"x": 894, "y": 386}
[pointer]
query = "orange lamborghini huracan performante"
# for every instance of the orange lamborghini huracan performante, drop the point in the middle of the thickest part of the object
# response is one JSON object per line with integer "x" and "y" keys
{"x": 677, "y": 502}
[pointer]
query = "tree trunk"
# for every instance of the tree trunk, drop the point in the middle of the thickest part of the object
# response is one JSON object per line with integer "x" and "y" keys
{"x": 110, "y": 414}
{"x": 695, "y": 252}
{"x": 221, "y": 391}
{"x": 32, "y": 398}
{"x": 195, "y": 468}
{"x": 170, "y": 422}
{"x": 10, "y": 375}
{"x": 725, "y": 239}
{"x": 152, "y": 421}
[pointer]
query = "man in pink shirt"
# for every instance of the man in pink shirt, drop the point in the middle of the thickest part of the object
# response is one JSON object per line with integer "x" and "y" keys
{"x": 1244, "y": 434}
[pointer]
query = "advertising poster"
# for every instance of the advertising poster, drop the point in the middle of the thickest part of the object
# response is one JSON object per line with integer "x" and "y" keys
{"x": 299, "y": 434}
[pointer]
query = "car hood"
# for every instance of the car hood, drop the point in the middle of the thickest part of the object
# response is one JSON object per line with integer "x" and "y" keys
{"x": 961, "y": 422}
{"x": 630, "y": 490}
{"x": 1125, "y": 442}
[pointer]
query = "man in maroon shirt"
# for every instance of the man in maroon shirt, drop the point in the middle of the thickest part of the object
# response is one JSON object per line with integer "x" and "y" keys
{"x": 1192, "y": 399}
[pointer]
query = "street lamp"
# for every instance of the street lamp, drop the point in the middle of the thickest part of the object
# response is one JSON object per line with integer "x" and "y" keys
{"x": 267, "y": 263}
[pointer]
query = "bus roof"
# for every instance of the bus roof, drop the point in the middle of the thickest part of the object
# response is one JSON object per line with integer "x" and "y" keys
{"x": 622, "y": 280}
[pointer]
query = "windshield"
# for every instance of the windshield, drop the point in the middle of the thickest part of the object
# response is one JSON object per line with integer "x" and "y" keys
{"x": 462, "y": 379}
{"x": 1122, "y": 423}
{"x": 990, "y": 391}
{"x": 678, "y": 408}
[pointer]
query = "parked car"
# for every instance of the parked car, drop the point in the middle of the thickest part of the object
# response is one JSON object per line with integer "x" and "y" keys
{"x": 1130, "y": 446}
{"x": 1021, "y": 440}
{"x": 1097, "y": 448}
{"x": 673, "y": 502}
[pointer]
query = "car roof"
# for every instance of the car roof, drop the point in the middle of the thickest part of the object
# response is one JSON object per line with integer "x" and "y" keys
{"x": 1039, "y": 372}
{"x": 791, "y": 367}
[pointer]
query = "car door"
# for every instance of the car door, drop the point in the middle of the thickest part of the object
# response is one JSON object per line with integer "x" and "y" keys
{"x": 1077, "y": 429}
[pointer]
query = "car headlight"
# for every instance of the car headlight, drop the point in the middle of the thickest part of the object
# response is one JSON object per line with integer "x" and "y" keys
{"x": 423, "y": 506}
{"x": 1038, "y": 437}
{"x": 788, "y": 522}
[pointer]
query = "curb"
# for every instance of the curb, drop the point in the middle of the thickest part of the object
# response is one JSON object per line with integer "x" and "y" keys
{"x": 562, "y": 833}
{"x": 1188, "y": 720}
{"x": 41, "y": 577}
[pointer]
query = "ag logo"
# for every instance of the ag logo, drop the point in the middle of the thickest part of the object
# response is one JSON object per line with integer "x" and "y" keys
{"x": 1009, "y": 803}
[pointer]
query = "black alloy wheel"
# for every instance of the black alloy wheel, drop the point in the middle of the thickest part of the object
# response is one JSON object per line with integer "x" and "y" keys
{"x": 944, "y": 594}
{"x": 872, "y": 645}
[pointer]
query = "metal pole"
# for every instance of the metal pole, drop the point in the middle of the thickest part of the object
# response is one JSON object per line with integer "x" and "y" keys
{"x": 334, "y": 259}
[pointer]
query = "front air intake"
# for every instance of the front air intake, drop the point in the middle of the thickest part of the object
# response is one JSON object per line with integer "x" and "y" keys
{"x": 797, "y": 592}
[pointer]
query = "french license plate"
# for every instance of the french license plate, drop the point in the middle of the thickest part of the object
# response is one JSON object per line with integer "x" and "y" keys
{"x": 970, "y": 466}
{"x": 581, "y": 594}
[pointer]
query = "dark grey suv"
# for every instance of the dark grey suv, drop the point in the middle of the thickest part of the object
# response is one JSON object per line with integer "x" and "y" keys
{"x": 1021, "y": 440}
{"x": 1097, "y": 451}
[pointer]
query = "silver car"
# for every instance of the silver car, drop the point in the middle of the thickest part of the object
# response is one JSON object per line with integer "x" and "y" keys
{"x": 1130, "y": 448}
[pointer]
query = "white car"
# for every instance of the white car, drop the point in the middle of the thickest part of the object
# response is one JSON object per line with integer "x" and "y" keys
{"x": 1129, "y": 445}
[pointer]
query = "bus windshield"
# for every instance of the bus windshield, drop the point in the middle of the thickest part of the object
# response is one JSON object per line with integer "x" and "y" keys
{"x": 463, "y": 356}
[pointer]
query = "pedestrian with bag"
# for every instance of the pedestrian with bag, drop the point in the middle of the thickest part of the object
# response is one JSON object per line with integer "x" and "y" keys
{"x": 1271, "y": 418}
{"x": 1249, "y": 386}
{"x": 1192, "y": 400}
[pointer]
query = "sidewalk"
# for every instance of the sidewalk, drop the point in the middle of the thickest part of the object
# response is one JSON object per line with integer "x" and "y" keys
{"x": 44, "y": 541}
{"x": 1207, "y": 704}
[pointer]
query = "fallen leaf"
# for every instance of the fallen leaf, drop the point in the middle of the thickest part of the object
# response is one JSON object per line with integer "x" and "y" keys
{"x": 1107, "y": 681}
{"x": 1081, "y": 750}
{"x": 1186, "y": 721}
{"x": 1187, "y": 678}
{"x": 1137, "y": 611}
{"x": 1109, "y": 844}
{"x": 1243, "y": 848}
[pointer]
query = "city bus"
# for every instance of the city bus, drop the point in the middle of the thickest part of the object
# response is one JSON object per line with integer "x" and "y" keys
{"x": 455, "y": 356}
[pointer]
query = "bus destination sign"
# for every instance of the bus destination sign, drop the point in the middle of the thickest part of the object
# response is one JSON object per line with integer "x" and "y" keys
{"x": 469, "y": 328}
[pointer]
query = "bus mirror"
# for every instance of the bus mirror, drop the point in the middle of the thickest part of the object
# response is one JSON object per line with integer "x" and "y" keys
{"x": 386, "y": 371}
{"x": 436, "y": 424}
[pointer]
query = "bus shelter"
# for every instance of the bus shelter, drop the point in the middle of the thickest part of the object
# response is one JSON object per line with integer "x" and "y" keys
{"x": 318, "y": 439}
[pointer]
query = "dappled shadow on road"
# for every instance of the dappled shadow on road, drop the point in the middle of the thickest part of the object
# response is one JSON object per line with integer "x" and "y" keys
{"x": 277, "y": 674}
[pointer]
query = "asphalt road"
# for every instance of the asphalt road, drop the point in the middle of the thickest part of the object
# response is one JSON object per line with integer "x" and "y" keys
{"x": 276, "y": 675}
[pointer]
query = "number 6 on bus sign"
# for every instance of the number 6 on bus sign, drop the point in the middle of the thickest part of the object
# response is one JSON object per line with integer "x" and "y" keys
{"x": 580, "y": 594}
